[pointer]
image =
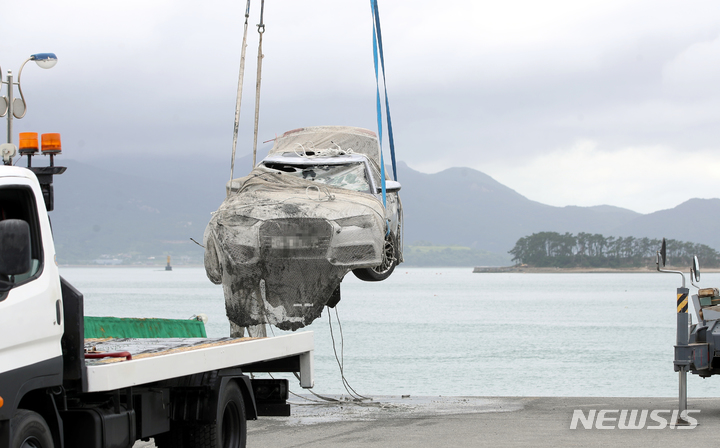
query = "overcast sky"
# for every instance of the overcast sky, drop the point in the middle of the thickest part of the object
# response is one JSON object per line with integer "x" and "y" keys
{"x": 567, "y": 102}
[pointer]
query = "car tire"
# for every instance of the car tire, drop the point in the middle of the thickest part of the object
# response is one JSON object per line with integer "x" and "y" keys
{"x": 30, "y": 430}
{"x": 382, "y": 271}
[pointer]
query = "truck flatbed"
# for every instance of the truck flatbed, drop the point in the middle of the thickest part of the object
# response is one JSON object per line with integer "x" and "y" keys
{"x": 158, "y": 359}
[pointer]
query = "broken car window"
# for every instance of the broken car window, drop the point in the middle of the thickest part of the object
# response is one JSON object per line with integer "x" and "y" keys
{"x": 349, "y": 176}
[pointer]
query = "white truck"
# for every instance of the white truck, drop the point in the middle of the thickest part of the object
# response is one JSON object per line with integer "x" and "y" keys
{"x": 59, "y": 390}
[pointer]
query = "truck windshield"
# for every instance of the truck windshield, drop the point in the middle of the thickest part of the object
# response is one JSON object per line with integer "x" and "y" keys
{"x": 350, "y": 176}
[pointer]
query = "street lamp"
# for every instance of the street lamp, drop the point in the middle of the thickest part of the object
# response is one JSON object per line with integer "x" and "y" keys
{"x": 16, "y": 107}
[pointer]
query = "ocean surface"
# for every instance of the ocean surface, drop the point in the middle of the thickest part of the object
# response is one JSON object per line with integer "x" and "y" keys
{"x": 449, "y": 332}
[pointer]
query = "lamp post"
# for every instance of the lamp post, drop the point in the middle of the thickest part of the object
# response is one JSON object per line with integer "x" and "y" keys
{"x": 16, "y": 107}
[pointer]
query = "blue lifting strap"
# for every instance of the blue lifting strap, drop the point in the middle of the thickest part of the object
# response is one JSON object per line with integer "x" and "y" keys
{"x": 377, "y": 45}
{"x": 378, "y": 36}
{"x": 379, "y": 107}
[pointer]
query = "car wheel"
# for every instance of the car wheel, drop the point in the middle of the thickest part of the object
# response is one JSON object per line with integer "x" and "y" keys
{"x": 384, "y": 269}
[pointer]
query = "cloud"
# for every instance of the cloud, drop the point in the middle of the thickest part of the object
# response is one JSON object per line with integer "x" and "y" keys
{"x": 694, "y": 72}
{"x": 643, "y": 179}
{"x": 486, "y": 84}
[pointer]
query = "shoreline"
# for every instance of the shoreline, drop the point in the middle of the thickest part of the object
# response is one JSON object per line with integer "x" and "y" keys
{"x": 476, "y": 269}
{"x": 550, "y": 270}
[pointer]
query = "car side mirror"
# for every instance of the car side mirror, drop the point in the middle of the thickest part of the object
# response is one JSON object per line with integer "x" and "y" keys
{"x": 15, "y": 255}
{"x": 391, "y": 185}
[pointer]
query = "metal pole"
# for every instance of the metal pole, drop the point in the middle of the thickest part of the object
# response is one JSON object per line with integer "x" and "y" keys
{"x": 683, "y": 396}
{"x": 10, "y": 106}
{"x": 682, "y": 340}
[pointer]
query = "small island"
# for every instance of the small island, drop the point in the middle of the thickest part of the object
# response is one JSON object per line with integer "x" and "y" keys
{"x": 554, "y": 252}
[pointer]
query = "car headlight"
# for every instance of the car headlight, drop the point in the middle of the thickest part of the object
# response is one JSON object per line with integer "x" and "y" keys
{"x": 362, "y": 221}
{"x": 238, "y": 220}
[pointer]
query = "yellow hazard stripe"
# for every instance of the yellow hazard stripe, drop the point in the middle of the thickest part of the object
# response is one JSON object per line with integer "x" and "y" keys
{"x": 682, "y": 303}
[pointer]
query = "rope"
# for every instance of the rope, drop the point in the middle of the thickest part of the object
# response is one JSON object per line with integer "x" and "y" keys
{"x": 261, "y": 31}
{"x": 241, "y": 78}
{"x": 341, "y": 360}
{"x": 328, "y": 196}
{"x": 356, "y": 397}
{"x": 330, "y": 399}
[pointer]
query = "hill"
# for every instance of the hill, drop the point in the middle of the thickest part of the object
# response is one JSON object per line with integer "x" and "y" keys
{"x": 694, "y": 220}
{"x": 463, "y": 206}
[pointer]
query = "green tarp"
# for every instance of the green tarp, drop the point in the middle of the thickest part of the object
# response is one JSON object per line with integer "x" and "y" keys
{"x": 121, "y": 327}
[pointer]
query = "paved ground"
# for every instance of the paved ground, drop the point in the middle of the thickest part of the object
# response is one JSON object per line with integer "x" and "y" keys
{"x": 472, "y": 421}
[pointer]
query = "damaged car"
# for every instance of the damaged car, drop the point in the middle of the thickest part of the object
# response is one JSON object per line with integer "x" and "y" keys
{"x": 306, "y": 215}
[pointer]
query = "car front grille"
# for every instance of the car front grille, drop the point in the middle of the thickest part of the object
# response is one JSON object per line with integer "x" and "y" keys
{"x": 296, "y": 237}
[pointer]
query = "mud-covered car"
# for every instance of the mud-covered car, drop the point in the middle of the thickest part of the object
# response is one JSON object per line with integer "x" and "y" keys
{"x": 305, "y": 216}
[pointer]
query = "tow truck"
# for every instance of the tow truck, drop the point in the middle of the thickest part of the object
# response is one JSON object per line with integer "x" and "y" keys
{"x": 697, "y": 348}
{"x": 59, "y": 389}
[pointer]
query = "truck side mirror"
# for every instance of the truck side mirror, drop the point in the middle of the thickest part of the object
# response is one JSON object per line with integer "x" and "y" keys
{"x": 14, "y": 247}
{"x": 696, "y": 269}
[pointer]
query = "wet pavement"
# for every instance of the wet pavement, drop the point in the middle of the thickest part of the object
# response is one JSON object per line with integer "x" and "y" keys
{"x": 481, "y": 421}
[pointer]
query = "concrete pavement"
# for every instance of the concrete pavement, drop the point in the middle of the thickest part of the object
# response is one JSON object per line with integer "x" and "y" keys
{"x": 481, "y": 421}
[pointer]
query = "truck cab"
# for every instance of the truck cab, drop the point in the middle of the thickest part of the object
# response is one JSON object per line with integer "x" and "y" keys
{"x": 31, "y": 308}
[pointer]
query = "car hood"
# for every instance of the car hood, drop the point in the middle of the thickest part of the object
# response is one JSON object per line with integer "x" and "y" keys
{"x": 266, "y": 195}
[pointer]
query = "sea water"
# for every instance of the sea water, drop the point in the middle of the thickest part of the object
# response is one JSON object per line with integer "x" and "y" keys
{"x": 448, "y": 331}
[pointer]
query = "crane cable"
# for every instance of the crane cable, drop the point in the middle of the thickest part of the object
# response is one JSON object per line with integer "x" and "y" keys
{"x": 261, "y": 30}
{"x": 241, "y": 78}
{"x": 378, "y": 51}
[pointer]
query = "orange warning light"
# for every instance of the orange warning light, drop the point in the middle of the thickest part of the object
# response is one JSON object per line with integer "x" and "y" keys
{"x": 28, "y": 143}
{"x": 1, "y": 402}
{"x": 51, "y": 143}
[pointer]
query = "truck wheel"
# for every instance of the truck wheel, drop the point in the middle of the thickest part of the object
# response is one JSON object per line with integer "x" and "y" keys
{"x": 29, "y": 430}
{"x": 230, "y": 429}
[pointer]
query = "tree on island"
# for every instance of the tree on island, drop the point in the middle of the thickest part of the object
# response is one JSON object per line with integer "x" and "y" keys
{"x": 552, "y": 249}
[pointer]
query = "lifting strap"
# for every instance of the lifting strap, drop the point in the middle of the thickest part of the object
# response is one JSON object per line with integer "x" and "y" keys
{"x": 239, "y": 91}
{"x": 261, "y": 30}
{"x": 378, "y": 49}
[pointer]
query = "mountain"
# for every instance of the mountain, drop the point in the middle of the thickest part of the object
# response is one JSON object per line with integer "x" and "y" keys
{"x": 462, "y": 206}
{"x": 695, "y": 220}
{"x": 134, "y": 209}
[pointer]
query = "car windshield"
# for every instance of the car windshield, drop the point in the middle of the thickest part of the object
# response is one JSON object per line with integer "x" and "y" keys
{"x": 350, "y": 176}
